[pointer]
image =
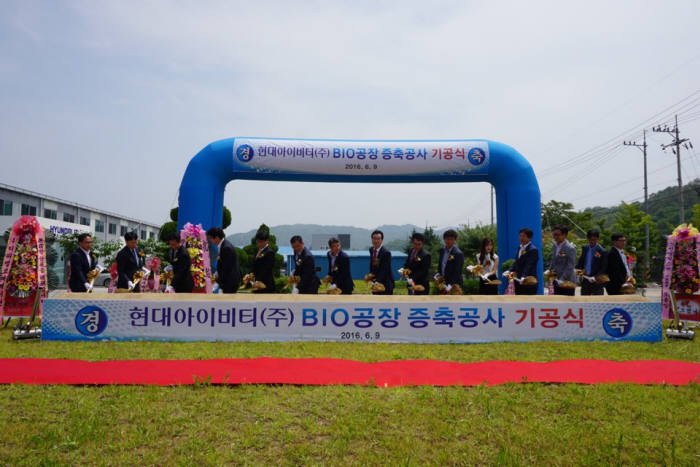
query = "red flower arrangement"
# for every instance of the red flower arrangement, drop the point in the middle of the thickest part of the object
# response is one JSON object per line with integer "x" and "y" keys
{"x": 195, "y": 248}
{"x": 23, "y": 278}
{"x": 684, "y": 279}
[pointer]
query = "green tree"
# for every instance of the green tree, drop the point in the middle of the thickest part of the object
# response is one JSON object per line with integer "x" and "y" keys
{"x": 152, "y": 247}
{"x": 107, "y": 251}
{"x": 170, "y": 227}
{"x": 245, "y": 259}
{"x": 470, "y": 239}
{"x": 695, "y": 220}
{"x": 560, "y": 213}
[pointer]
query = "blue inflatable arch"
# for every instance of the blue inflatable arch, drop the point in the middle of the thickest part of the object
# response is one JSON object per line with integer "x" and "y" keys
{"x": 201, "y": 194}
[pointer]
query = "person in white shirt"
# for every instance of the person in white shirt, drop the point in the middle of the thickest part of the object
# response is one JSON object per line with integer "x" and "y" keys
{"x": 618, "y": 269}
{"x": 82, "y": 261}
{"x": 488, "y": 259}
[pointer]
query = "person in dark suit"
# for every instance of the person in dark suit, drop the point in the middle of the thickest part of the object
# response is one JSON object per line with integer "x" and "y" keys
{"x": 525, "y": 263}
{"x": 82, "y": 261}
{"x": 264, "y": 262}
{"x": 380, "y": 264}
{"x": 451, "y": 262}
{"x": 129, "y": 260}
{"x": 563, "y": 260}
{"x": 180, "y": 261}
{"x": 228, "y": 272}
{"x": 618, "y": 269}
{"x": 304, "y": 267}
{"x": 339, "y": 267}
{"x": 593, "y": 261}
{"x": 418, "y": 262}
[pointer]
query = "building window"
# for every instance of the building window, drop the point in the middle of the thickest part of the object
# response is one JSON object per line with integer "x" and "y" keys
{"x": 69, "y": 218}
{"x": 143, "y": 235}
{"x": 85, "y": 220}
{"x": 151, "y": 234}
{"x": 123, "y": 230}
{"x": 5, "y": 208}
{"x": 28, "y": 210}
{"x": 99, "y": 225}
{"x": 50, "y": 214}
{"x": 112, "y": 229}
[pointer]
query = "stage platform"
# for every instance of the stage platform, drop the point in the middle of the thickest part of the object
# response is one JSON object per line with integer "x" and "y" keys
{"x": 349, "y": 318}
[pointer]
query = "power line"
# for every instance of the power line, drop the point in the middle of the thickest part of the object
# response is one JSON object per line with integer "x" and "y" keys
{"x": 606, "y": 156}
{"x": 625, "y": 103}
{"x": 677, "y": 141}
{"x": 630, "y": 133}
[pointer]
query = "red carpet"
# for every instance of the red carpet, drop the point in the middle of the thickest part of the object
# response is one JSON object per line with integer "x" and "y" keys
{"x": 321, "y": 371}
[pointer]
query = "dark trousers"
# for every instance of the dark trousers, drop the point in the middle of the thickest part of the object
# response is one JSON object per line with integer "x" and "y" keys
{"x": 591, "y": 289}
{"x": 488, "y": 289}
{"x": 386, "y": 292}
{"x": 525, "y": 289}
{"x": 563, "y": 291}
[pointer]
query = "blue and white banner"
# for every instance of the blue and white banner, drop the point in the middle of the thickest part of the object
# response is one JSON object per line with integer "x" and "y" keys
{"x": 442, "y": 321}
{"x": 360, "y": 158}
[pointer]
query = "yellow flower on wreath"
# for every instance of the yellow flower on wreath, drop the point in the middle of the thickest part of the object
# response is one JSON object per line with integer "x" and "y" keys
{"x": 685, "y": 231}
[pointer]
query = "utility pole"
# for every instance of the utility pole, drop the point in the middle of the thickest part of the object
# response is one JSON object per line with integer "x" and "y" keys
{"x": 491, "y": 204}
{"x": 677, "y": 141}
{"x": 643, "y": 147}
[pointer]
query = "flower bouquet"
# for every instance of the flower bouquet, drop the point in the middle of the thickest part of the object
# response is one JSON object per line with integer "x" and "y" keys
{"x": 152, "y": 282}
{"x": 114, "y": 277}
{"x": 195, "y": 240}
{"x": 23, "y": 272}
{"x": 167, "y": 277}
{"x": 93, "y": 274}
{"x": 681, "y": 276}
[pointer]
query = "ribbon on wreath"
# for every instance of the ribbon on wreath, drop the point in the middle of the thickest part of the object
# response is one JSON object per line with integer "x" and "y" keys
{"x": 667, "y": 276}
{"x": 510, "y": 290}
{"x": 6, "y": 265}
{"x": 41, "y": 266}
{"x": 114, "y": 276}
{"x": 154, "y": 266}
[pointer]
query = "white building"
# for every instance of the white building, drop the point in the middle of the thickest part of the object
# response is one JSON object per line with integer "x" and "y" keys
{"x": 60, "y": 216}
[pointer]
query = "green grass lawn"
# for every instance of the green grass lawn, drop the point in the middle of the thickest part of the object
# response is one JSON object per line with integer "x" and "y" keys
{"x": 513, "y": 424}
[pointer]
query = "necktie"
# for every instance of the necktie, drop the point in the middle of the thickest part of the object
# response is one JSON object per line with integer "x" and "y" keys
{"x": 136, "y": 256}
{"x": 589, "y": 261}
{"x": 413, "y": 255}
{"x": 444, "y": 260}
{"x": 624, "y": 261}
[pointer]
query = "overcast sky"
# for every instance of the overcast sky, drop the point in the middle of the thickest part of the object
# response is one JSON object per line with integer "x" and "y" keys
{"x": 105, "y": 103}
